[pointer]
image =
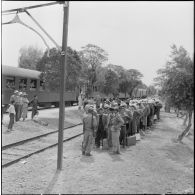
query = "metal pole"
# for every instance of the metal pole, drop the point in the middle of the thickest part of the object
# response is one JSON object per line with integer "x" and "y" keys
{"x": 22, "y": 9}
{"x": 62, "y": 86}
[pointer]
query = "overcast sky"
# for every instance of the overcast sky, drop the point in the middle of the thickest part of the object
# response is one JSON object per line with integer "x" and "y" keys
{"x": 135, "y": 34}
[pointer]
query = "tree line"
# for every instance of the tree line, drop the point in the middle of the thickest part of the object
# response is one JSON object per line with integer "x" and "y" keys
{"x": 87, "y": 66}
{"x": 176, "y": 80}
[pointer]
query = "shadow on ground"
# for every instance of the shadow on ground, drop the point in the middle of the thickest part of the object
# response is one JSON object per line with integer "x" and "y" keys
{"x": 53, "y": 182}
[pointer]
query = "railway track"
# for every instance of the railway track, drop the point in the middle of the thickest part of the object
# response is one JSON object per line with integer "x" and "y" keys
{"x": 15, "y": 152}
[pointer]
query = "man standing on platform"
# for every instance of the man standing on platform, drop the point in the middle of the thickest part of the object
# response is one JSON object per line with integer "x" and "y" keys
{"x": 101, "y": 123}
{"x": 34, "y": 103}
{"x": 16, "y": 98}
{"x": 89, "y": 130}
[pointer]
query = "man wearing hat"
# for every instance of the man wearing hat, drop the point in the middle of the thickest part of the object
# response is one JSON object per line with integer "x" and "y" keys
{"x": 13, "y": 97}
{"x": 101, "y": 123}
{"x": 20, "y": 105}
{"x": 16, "y": 98}
{"x": 158, "y": 107}
{"x": 126, "y": 116}
{"x": 106, "y": 108}
{"x": 110, "y": 115}
{"x": 89, "y": 130}
{"x": 150, "y": 118}
{"x": 34, "y": 102}
{"x": 116, "y": 122}
{"x": 24, "y": 106}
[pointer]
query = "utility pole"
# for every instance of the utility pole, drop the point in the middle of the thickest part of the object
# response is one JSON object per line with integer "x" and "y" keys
{"x": 62, "y": 85}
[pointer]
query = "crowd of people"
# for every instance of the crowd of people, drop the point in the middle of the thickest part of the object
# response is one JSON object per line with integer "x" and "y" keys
{"x": 110, "y": 122}
{"x": 18, "y": 108}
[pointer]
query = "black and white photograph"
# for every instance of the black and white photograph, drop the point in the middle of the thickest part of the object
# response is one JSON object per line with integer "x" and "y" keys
{"x": 97, "y": 97}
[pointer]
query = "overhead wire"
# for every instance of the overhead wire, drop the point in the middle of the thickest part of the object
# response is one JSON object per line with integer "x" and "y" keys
{"x": 16, "y": 19}
{"x": 43, "y": 29}
{"x": 4, "y": 14}
{"x": 32, "y": 7}
{"x": 24, "y": 9}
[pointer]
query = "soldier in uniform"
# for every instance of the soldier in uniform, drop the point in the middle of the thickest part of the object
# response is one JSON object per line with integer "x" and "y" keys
{"x": 134, "y": 123}
{"x": 25, "y": 106}
{"x": 89, "y": 128}
{"x": 16, "y": 99}
{"x": 101, "y": 123}
{"x": 34, "y": 103}
{"x": 126, "y": 116}
{"x": 146, "y": 112}
{"x": 158, "y": 107}
{"x": 108, "y": 126}
{"x": 116, "y": 122}
{"x": 20, "y": 105}
{"x": 151, "y": 115}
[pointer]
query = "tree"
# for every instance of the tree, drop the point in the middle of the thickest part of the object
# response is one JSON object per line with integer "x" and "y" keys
{"x": 128, "y": 79}
{"x": 151, "y": 90}
{"x": 29, "y": 57}
{"x": 122, "y": 76}
{"x": 100, "y": 76}
{"x": 50, "y": 68}
{"x": 134, "y": 80}
{"x": 111, "y": 83}
{"x": 177, "y": 83}
{"x": 92, "y": 56}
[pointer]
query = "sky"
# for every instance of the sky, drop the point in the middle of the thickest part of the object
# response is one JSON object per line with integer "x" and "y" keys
{"x": 135, "y": 34}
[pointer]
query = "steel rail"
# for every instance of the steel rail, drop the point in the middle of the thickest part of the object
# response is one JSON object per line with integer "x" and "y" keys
{"x": 38, "y": 151}
{"x": 34, "y": 138}
{"x": 22, "y": 9}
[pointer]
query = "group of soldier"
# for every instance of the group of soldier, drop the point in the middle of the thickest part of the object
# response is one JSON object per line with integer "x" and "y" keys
{"x": 18, "y": 107}
{"x": 111, "y": 121}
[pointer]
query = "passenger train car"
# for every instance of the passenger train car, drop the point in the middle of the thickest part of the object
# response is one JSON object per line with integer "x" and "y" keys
{"x": 25, "y": 80}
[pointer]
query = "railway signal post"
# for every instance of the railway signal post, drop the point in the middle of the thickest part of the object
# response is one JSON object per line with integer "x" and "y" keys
{"x": 62, "y": 86}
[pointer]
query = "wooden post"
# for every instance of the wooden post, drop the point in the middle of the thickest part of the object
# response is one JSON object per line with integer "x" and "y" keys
{"x": 62, "y": 86}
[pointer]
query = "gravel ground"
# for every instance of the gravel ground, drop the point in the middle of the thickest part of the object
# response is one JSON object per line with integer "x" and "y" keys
{"x": 154, "y": 165}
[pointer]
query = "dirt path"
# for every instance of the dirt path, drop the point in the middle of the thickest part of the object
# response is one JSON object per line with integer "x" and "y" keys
{"x": 154, "y": 165}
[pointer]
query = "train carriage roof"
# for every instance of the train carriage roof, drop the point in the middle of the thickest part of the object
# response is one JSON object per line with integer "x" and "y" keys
{"x": 20, "y": 72}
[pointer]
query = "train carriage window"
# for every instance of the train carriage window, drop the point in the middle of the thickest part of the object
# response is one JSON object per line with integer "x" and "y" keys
{"x": 33, "y": 84}
{"x": 10, "y": 82}
{"x": 22, "y": 84}
{"x": 42, "y": 86}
